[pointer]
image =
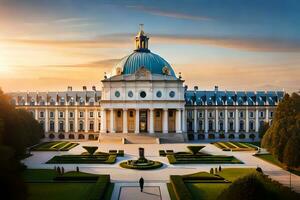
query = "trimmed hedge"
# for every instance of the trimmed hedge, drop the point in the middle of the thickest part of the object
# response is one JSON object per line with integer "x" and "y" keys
{"x": 155, "y": 165}
{"x": 82, "y": 159}
{"x": 162, "y": 153}
{"x": 54, "y": 146}
{"x": 180, "y": 189}
{"x": 202, "y": 159}
{"x": 100, "y": 188}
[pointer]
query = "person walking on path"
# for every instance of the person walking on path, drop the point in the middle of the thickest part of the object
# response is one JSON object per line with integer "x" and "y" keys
{"x": 141, "y": 181}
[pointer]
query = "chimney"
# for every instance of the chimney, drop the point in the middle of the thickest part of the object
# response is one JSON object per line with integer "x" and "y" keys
{"x": 84, "y": 88}
{"x": 94, "y": 88}
{"x": 69, "y": 88}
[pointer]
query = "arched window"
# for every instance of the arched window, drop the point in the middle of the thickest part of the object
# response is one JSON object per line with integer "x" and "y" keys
{"x": 81, "y": 126}
{"x": 42, "y": 124}
{"x": 241, "y": 125}
{"x": 251, "y": 125}
{"x": 91, "y": 126}
{"x": 200, "y": 125}
{"x": 51, "y": 125}
{"x": 221, "y": 126}
{"x": 210, "y": 125}
{"x": 61, "y": 126}
{"x": 71, "y": 126}
{"x": 231, "y": 126}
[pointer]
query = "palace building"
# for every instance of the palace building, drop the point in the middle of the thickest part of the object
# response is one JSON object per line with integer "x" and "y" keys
{"x": 142, "y": 96}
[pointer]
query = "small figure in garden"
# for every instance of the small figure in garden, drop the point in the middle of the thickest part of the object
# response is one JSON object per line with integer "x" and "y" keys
{"x": 77, "y": 169}
{"x": 220, "y": 168}
{"x": 211, "y": 171}
{"x": 62, "y": 170}
{"x": 58, "y": 170}
{"x": 141, "y": 181}
{"x": 216, "y": 170}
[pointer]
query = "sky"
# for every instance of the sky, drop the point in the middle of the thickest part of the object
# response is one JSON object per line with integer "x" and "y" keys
{"x": 48, "y": 45}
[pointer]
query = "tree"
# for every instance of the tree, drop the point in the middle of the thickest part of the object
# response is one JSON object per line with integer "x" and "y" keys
{"x": 90, "y": 149}
{"x": 282, "y": 138}
{"x": 263, "y": 129}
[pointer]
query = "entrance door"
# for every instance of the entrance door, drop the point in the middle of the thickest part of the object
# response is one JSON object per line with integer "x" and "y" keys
{"x": 131, "y": 121}
{"x": 158, "y": 121}
{"x": 143, "y": 121}
{"x": 171, "y": 120}
{"x": 119, "y": 121}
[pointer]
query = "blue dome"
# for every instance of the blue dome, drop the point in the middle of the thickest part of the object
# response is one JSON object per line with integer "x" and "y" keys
{"x": 152, "y": 62}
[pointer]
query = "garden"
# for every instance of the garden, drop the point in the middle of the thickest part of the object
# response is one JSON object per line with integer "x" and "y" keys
{"x": 88, "y": 157}
{"x": 195, "y": 156}
{"x": 54, "y": 146}
{"x": 230, "y": 183}
{"x": 236, "y": 146}
{"x": 49, "y": 184}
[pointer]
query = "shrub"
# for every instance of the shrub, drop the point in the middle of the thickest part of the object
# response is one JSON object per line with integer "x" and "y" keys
{"x": 211, "y": 171}
{"x": 100, "y": 187}
{"x": 222, "y": 136}
{"x": 162, "y": 153}
{"x": 90, "y": 149}
{"x": 120, "y": 153}
{"x": 112, "y": 151}
{"x": 195, "y": 149}
{"x": 220, "y": 168}
{"x": 150, "y": 165}
{"x": 169, "y": 152}
{"x": 258, "y": 169}
{"x": 231, "y": 136}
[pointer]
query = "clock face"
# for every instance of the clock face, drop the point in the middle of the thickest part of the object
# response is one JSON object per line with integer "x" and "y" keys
{"x": 165, "y": 70}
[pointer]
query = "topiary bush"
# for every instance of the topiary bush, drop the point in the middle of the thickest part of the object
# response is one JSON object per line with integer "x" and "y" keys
{"x": 90, "y": 149}
{"x": 195, "y": 149}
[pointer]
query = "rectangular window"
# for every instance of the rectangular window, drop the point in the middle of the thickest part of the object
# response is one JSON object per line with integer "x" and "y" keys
{"x": 241, "y": 114}
{"x": 91, "y": 114}
{"x": 231, "y": 114}
{"x": 61, "y": 114}
{"x": 51, "y": 114}
{"x": 271, "y": 114}
{"x": 251, "y": 114}
{"x": 81, "y": 114}
{"x": 200, "y": 114}
{"x": 71, "y": 114}
{"x": 210, "y": 114}
{"x": 99, "y": 114}
{"x": 261, "y": 114}
{"x": 41, "y": 114}
{"x": 221, "y": 114}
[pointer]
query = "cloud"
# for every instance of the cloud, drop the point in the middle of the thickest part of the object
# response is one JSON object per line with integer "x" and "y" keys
{"x": 124, "y": 40}
{"x": 171, "y": 14}
{"x": 70, "y": 20}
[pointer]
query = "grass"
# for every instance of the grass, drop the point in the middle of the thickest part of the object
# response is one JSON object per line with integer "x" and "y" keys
{"x": 271, "y": 159}
{"x": 171, "y": 191}
{"x": 236, "y": 146}
{"x": 202, "y": 159}
{"x": 42, "y": 185}
{"x": 59, "y": 191}
{"x": 83, "y": 159}
{"x": 54, "y": 146}
{"x": 209, "y": 186}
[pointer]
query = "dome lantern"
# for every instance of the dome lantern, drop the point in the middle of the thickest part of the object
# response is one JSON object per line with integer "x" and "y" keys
{"x": 141, "y": 41}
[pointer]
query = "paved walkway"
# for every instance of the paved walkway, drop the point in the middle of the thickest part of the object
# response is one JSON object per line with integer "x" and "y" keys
{"x": 131, "y": 191}
{"x": 162, "y": 175}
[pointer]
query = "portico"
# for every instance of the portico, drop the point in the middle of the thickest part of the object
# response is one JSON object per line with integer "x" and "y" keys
{"x": 141, "y": 120}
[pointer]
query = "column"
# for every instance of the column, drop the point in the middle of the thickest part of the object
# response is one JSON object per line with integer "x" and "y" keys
{"x": 226, "y": 120}
{"x": 236, "y": 120}
{"x": 178, "y": 121}
{"x": 56, "y": 121}
{"x": 103, "y": 121}
{"x": 151, "y": 120}
{"x": 256, "y": 120}
{"x": 112, "y": 121}
{"x": 206, "y": 121}
{"x": 36, "y": 114}
{"x": 217, "y": 120}
{"x": 137, "y": 121}
{"x": 165, "y": 121}
{"x": 67, "y": 121}
{"x": 86, "y": 125}
{"x": 96, "y": 129}
{"x": 46, "y": 121}
{"x": 184, "y": 120}
{"x": 76, "y": 120}
{"x": 267, "y": 115}
{"x": 247, "y": 120}
{"x": 195, "y": 120}
{"x": 125, "y": 128}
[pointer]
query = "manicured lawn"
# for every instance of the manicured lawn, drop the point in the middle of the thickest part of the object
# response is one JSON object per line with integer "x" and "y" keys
{"x": 54, "y": 146}
{"x": 236, "y": 146}
{"x": 83, "y": 159}
{"x": 44, "y": 184}
{"x": 271, "y": 159}
{"x": 202, "y": 159}
{"x": 206, "y": 186}
{"x": 57, "y": 191}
